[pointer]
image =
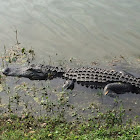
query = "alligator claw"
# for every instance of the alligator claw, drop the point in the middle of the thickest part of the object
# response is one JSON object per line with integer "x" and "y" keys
{"x": 69, "y": 85}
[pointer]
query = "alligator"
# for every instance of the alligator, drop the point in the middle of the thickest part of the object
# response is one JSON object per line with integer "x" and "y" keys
{"x": 113, "y": 81}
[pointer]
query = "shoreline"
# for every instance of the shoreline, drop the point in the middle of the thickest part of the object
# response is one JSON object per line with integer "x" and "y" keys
{"x": 109, "y": 124}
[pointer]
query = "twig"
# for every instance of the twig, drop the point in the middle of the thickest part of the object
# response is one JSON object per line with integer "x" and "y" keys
{"x": 17, "y": 42}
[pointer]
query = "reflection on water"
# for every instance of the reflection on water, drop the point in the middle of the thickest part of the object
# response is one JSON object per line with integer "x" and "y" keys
{"x": 88, "y": 30}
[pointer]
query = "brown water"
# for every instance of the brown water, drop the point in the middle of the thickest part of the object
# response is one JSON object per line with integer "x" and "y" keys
{"x": 88, "y": 30}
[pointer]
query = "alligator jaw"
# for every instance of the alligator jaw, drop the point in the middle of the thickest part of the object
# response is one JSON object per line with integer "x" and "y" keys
{"x": 10, "y": 71}
{"x": 34, "y": 72}
{"x": 24, "y": 72}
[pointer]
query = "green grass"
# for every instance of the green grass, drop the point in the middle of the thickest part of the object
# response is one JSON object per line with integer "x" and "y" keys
{"x": 103, "y": 126}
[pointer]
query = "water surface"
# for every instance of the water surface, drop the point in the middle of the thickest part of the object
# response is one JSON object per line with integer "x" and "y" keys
{"x": 88, "y": 30}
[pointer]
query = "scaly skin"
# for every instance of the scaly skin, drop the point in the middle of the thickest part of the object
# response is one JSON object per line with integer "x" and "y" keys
{"x": 110, "y": 80}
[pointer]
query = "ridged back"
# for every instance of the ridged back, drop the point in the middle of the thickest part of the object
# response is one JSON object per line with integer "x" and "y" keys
{"x": 90, "y": 74}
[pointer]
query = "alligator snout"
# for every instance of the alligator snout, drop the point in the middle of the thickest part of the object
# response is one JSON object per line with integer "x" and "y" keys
{"x": 6, "y": 71}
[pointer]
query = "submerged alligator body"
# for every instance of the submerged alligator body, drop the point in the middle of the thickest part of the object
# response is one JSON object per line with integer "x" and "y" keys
{"x": 111, "y": 80}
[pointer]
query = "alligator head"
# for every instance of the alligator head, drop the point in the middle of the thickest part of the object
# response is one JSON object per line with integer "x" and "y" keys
{"x": 33, "y": 72}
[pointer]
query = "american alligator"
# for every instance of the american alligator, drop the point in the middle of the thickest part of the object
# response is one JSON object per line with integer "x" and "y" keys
{"x": 111, "y": 80}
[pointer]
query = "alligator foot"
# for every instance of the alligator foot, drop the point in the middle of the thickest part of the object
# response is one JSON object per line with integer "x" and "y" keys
{"x": 118, "y": 88}
{"x": 69, "y": 85}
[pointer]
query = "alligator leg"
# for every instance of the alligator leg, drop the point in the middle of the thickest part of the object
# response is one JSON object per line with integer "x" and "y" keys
{"x": 118, "y": 88}
{"x": 69, "y": 84}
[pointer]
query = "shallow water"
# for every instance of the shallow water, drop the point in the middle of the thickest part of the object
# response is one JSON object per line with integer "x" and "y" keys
{"x": 82, "y": 102}
{"x": 88, "y": 30}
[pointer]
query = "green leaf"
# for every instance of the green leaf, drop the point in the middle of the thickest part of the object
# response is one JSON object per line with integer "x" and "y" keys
{"x": 23, "y": 50}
